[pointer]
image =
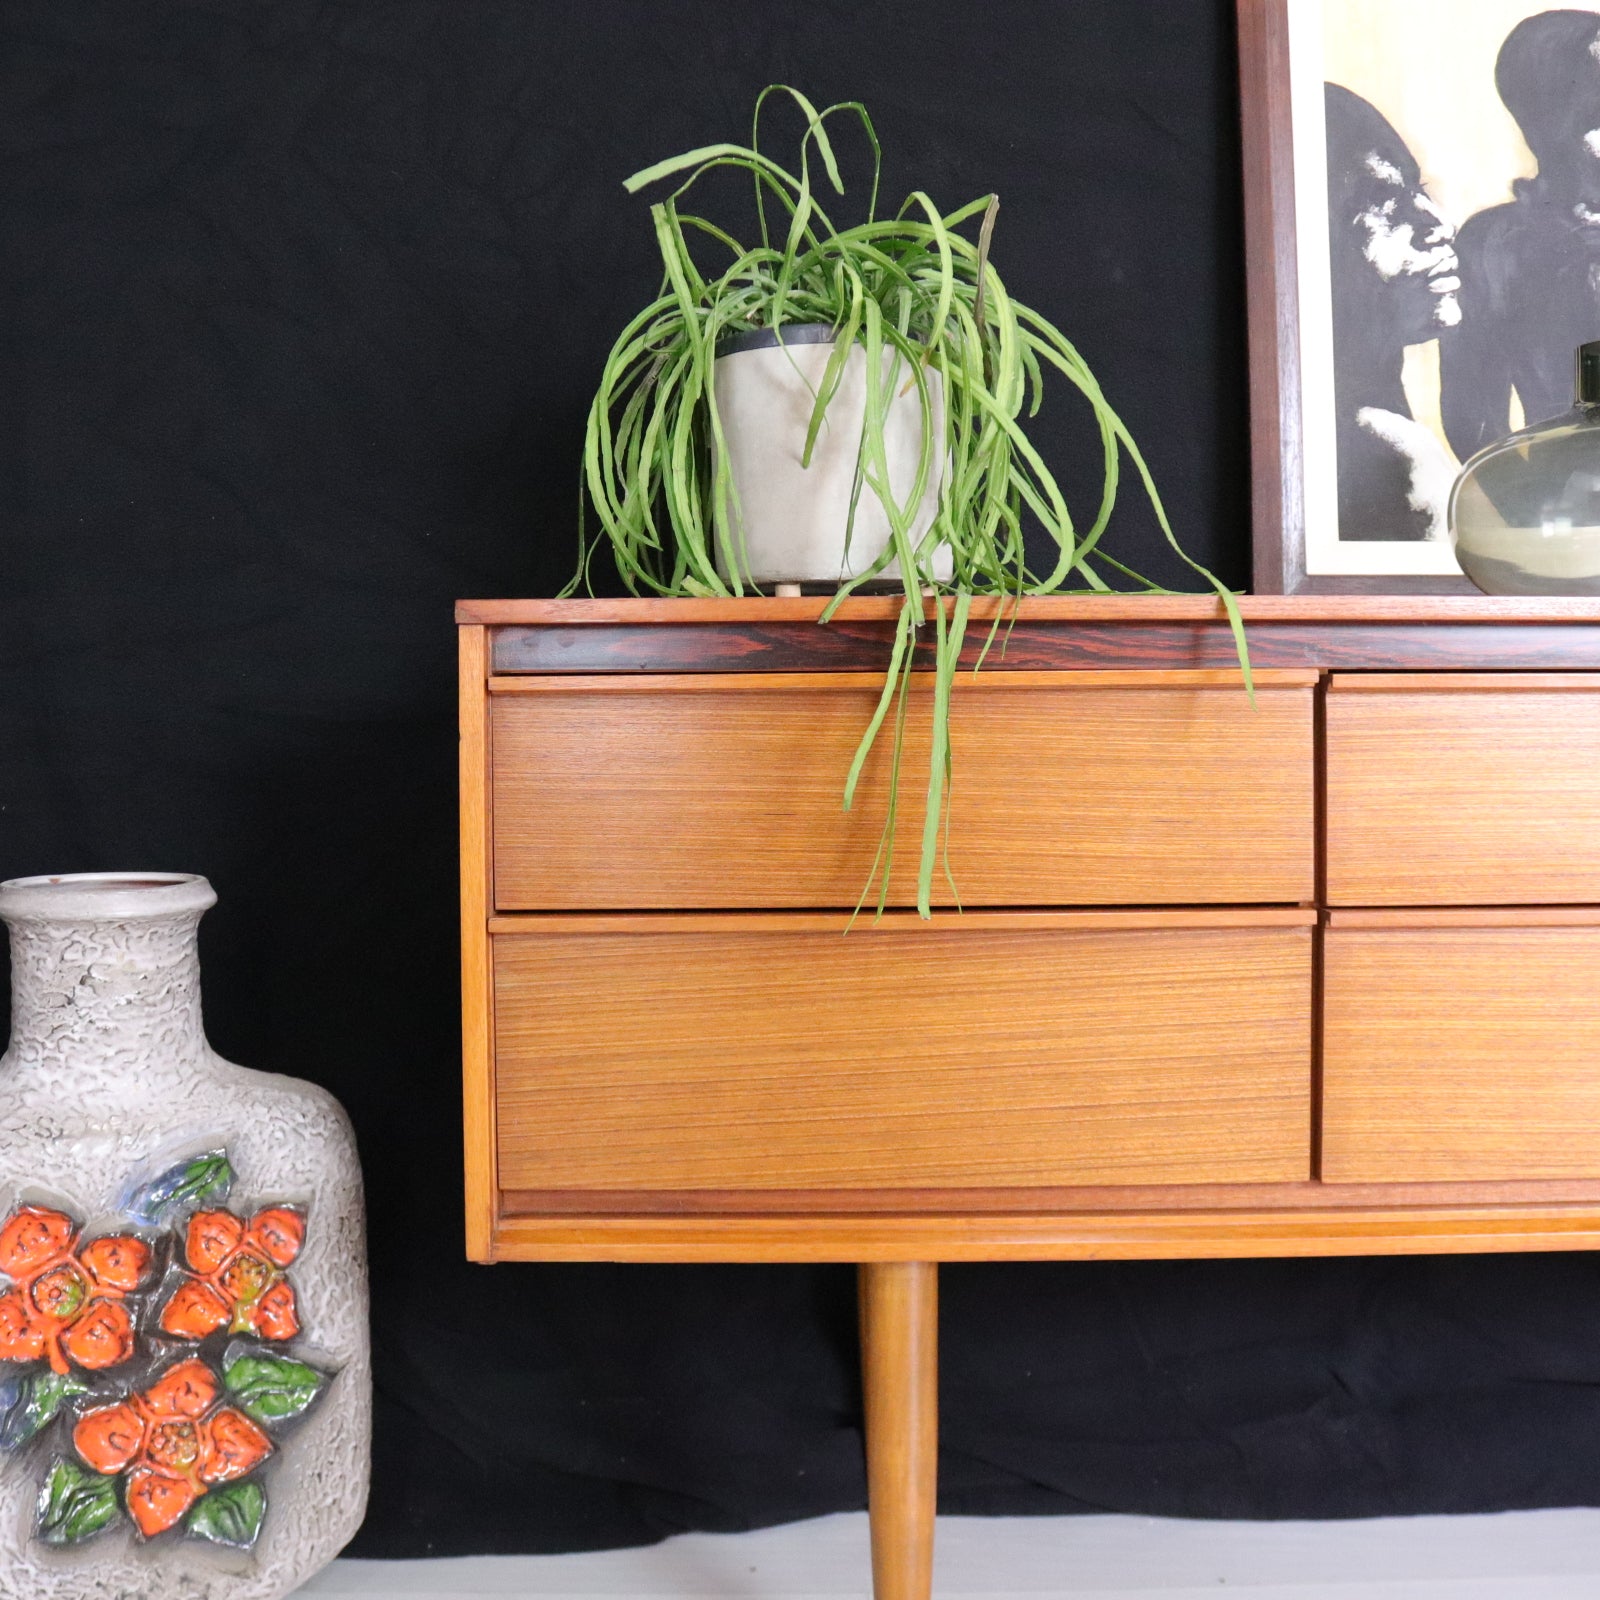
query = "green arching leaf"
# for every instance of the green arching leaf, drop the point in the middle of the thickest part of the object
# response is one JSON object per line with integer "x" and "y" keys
{"x": 985, "y": 235}
{"x": 872, "y": 139}
{"x": 231, "y": 1515}
{"x": 833, "y": 374}
{"x": 272, "y": 1388}
{"x": 75, "y": 1504}
{"x": 40, "y": 1395}
{"x": 707, "y": 156}
{"x": 904, "y": 633}
{"x": 948, "y": 648}
{"x": 885, "y": 851}
{"x": 680, "y": 269}
{"x": 815, "y": 132}
{"x": 818, "y": 134}
{"x": 701, "y": 225}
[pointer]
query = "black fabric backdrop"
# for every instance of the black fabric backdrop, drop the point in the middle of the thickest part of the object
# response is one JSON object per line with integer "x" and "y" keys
{"x": 303, "y": 306}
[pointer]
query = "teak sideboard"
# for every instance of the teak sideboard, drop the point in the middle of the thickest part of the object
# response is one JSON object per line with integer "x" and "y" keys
{"x": 1355, "y": 928}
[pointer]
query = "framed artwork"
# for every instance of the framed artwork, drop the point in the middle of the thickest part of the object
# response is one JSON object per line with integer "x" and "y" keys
{"x": 1422, "y": 216}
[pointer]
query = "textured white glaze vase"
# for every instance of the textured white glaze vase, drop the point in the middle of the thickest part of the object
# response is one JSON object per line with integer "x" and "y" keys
{"x": 185, "y": 1382}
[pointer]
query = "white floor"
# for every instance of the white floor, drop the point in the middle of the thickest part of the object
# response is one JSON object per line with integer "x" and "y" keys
{"x": 1530, "y": 1555}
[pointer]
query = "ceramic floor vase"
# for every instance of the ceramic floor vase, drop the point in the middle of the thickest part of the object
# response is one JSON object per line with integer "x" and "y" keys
{"x": 185, "y": 1384}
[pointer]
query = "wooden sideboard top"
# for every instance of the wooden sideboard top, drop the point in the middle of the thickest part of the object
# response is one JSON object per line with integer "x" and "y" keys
{"x": 1362, "y": 633}
{"x": 1255, "y": 608}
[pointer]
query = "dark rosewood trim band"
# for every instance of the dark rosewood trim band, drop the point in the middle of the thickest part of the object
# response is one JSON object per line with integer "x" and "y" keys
{"x": 1036, "y": 646}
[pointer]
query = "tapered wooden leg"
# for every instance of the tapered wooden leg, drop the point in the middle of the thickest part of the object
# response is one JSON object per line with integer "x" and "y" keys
{"x": 899, "y": 1303}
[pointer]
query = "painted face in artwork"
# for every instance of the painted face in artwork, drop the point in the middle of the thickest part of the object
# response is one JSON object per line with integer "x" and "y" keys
{"x": 1390, "y": 246}
{"x": 1548, "y": 74}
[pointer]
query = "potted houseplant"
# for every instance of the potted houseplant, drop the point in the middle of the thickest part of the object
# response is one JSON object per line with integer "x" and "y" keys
{"x": 843, "y": 404}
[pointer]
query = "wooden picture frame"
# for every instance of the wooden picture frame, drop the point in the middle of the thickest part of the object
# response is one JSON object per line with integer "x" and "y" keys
{"x": 1277, "y": 431}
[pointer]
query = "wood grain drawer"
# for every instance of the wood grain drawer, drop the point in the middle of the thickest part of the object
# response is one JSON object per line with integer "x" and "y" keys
{"x": 1070, "y": 789}
{"x": 1461, "y": 1046}
{"x": 1463, "y": 789}
{"x": 758, "y": 1053}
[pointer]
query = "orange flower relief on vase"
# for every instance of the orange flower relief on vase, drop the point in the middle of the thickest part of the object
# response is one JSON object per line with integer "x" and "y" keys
{"x": 174, "y": 1442}
{"x": 236, "y": 1276}
{"x": 65, "y": 1302}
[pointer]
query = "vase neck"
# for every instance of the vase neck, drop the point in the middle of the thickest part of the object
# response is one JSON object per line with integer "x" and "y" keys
{"x": 106, "y": 986}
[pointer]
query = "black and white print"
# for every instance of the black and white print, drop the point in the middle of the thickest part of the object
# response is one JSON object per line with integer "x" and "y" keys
{"x": 1456, "y": 144}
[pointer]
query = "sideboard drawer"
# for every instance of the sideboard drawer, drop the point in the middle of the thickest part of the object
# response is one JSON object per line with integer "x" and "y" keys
{"x": 1463, "y": 789}
{"x": 766, "y": 1053}
{"x": 1074, "y": 788}
{"x": 1461, "y": 1046}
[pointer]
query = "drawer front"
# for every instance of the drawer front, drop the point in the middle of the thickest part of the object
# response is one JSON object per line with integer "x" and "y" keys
{"x": 770, "y": 1053}
{"x": 1464, "y": 1051}
{"x": 1069, "y": 789}
{"x": 1452, "y": 789}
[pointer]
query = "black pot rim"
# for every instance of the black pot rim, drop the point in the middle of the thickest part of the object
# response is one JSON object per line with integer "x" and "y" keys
{"x": 733, "y": 344}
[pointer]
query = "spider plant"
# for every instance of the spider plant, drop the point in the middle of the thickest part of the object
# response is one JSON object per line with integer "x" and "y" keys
{"x": 922, "y": 297}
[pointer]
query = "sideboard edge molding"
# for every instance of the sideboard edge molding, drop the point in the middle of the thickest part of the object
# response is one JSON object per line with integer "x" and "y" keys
{"x": 757, "y": 609}
{"x": 1055, "y": 1237}
{"x": 1101, "y": 644}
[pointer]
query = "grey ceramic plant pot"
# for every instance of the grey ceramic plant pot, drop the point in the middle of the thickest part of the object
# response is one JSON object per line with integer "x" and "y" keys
{"x": 789, "y": 519}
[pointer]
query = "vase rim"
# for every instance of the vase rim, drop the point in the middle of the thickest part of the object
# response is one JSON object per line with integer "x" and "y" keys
{"x": 104, "y": 896}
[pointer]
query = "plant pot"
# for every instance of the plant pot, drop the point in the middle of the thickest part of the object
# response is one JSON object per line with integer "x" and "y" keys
{"x": 794, "y": 518}
{"x": 185, "y": 1389}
